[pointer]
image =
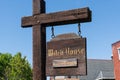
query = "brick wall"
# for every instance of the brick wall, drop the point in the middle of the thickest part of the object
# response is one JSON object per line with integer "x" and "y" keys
{"x": 116, "y": 60}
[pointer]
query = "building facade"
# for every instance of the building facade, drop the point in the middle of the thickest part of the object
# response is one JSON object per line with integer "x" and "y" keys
{"x": 97, "y": 69}
{"x": 116, "y": 59}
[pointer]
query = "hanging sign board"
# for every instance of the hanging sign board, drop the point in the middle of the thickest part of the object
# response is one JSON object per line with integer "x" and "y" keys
{"x": 66, "y": 55}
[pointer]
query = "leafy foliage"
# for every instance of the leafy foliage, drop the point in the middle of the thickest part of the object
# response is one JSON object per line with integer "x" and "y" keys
{"x": 14, "y": 67}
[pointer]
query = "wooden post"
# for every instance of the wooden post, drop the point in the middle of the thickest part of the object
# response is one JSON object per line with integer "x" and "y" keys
{"x": 39, "y": 21}
{"x": 39, "y": 43}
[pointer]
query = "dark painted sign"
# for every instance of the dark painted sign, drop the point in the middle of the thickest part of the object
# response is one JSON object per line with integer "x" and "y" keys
{"x": 66, "y": 57}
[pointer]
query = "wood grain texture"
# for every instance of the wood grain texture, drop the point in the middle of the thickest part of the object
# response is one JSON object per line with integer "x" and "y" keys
{"x": 58, "y": 18}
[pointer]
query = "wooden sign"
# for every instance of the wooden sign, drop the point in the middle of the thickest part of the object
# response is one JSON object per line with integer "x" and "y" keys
{"x": 66, "y": 56}
{"x": 39, "y": 21}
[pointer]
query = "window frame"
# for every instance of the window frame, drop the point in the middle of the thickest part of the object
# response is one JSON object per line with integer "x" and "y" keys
{"x": 118, "y": 49}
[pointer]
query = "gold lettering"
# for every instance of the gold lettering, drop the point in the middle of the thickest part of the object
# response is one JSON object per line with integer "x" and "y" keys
{"x": 71, "y": 52}
{"x": 50, "y": 52}
{"x": 66, "y": 52}
{"x": 75, "y": 52}
{"x": 61, "y": 53}
{"x": 82, "y": 51}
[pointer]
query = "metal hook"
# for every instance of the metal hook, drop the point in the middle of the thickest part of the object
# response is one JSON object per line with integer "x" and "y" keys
{"x": 53, "y": 35}
{"x": 79, "y": 30}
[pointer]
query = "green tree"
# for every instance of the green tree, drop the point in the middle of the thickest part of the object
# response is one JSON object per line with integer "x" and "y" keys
{"x": 5, "y": 65}
{"x": 14, "y": 67}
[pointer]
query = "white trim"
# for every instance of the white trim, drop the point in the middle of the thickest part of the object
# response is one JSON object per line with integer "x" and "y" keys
{"x": 105, "y": 78}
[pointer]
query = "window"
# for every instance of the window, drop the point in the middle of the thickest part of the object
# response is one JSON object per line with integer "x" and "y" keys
{"x": 119, "y": 53}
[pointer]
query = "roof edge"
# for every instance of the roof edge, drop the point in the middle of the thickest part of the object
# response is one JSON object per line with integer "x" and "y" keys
{"x": 116, "y": 42}
{"x": 101, "y": 59}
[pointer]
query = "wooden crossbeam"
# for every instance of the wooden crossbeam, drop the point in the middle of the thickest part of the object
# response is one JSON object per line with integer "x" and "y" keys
{"x": 58, "y": 18}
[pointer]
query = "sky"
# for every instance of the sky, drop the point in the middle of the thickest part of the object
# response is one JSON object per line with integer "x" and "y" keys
{"x": 101, "y": 33}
